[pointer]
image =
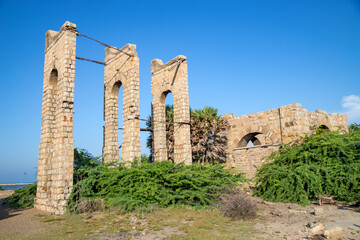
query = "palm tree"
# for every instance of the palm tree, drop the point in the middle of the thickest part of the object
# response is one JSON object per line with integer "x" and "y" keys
{"x": 208, "y": 135}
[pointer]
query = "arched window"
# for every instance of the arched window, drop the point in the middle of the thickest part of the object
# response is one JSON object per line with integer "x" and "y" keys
{"x": 168, "y": 101}
{"x": 53, "y": 99}
{"x": 322, "y": 129}
{"x": 251, "y": 139}
{"x": 118, "y": 113}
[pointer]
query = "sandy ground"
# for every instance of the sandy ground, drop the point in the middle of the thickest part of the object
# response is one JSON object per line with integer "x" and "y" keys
{"x": 18, "y": 220}
{"x": 292, "y": 221}
{"x": 274, "y": 221}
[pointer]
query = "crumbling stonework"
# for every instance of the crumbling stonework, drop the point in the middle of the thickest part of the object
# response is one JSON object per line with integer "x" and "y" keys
{"x": 268, "y": 129}
{"x": 56, "y": 150}
{"x": 122, "y": 69}
{"x": 171, "y": 77}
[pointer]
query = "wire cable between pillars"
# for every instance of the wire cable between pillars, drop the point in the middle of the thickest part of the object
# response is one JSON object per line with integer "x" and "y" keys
{"x": 101, "y": 43}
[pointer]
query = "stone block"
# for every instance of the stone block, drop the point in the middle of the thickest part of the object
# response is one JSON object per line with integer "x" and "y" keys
{"x": 333, "y": 233}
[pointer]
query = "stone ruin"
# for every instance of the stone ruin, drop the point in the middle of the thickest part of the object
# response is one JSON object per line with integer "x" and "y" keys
{"x": 171, "y": 77}
{"x": 56, "y": 150}
{"x": 266, "y": 130}
{"x": 269, "y": 129}
{"x": 122, "y": 69}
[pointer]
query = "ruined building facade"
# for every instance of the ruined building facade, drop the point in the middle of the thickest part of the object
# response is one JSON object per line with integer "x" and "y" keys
{"x": 56, "y": 150}
{"x": 269, "y": 129}
{"x": 266, "y": 130}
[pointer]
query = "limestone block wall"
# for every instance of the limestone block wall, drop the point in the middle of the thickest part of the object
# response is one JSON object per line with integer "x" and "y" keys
{"x": 248, "y": 159}
{"x": 122, "y": 69}
{"x": 285, "y": 124}
{"x": 56, "y": 150}
{"x": 171, "y": 77}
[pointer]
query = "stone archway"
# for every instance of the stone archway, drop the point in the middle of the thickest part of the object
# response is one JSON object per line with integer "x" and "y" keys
{"x": 121, "y": 70}
{"x": 256, "y": 138}
{"x": 171, "y": 77}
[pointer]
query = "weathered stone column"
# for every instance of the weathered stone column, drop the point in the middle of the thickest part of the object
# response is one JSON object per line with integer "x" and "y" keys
{"x": 56, "y": 150}
{"x": 122, "y": 69}
{"x": 171, "y": 77}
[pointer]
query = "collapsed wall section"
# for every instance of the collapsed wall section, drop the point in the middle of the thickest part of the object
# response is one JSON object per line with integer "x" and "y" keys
{"x": 171, "y": 77}
{"x": 121, "y": 70}
{"x": 56, "y": 150}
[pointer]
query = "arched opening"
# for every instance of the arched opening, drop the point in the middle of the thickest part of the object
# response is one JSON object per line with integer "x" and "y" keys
{"x": 53, "y": 77}
{"x": 118, "y": 105}
{"x": 322, "y": 129}
{"x": 168, "y": 101}
{"x": 251, "y": 139}
{"x": 53, "y": 99}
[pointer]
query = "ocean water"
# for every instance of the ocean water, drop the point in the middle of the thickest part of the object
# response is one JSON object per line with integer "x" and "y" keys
{"x": 14, "y": 187}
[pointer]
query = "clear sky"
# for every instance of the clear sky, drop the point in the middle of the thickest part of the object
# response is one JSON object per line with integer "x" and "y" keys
{"x": 243, "y": 57}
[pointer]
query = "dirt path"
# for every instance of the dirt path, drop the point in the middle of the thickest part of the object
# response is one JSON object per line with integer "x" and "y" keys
{"x": 18, "y": 220}
{"x": 292, "y": 221}
{"x": 274, "y": 221}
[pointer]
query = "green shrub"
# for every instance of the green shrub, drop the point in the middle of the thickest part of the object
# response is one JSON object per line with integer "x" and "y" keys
{"x": 327, "y": 163}
{"x": 153, "y": 184}
{"x": 1, "y": 188}
{"x": 82, "y": 160}
{"x": 22, "y": 198}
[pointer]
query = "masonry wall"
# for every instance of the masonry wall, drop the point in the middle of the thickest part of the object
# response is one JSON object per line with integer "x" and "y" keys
{"x": 171, "y": 77}
{"x": 121, "y": 70}
{"x": 56, "y": 150}
{"x": 285, "y": 124}
{"x": 248, "y": 159}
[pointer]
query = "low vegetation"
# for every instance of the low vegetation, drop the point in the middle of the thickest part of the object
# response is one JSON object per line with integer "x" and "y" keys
{"x": 157, "y": 184}
{"x": 326, "y": 163}
{"x": 173, "y": 222}
{"x": 22, "y": 198}
{"x": 237, "y": 205}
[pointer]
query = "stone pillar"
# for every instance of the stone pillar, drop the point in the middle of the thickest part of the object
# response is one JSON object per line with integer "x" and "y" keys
{"x": 122, "y": 69}
{"x": 171, "y": 77}
{"x": 56, "y": 150}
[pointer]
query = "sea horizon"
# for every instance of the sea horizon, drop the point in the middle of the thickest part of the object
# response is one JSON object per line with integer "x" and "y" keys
{"x": 14, "y": 186}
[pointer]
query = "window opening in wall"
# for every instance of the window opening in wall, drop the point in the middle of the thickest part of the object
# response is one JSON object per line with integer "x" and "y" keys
{"x": 250, "y": 139}
{"x": 322, "y": 129}
{"x": 169, "y": 117}
{"x": 118, "y": 92}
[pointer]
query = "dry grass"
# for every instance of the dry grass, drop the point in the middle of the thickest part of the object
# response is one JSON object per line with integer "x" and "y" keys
{"x": 172, "y": 223}
{"x": 90, "y": 205}
{"x": 237, "y": 206}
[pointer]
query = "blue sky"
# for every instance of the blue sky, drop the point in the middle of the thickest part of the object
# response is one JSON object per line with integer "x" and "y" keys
{"x": 243, "y": 57}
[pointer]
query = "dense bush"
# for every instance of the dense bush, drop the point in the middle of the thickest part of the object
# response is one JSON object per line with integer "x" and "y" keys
{"x": 326, "y": 163}
{"x": 23, "y": 197}
{"x": 153, "y": 184}
{"x": 83, "y": 160}
{"x": 237, "y": 206}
